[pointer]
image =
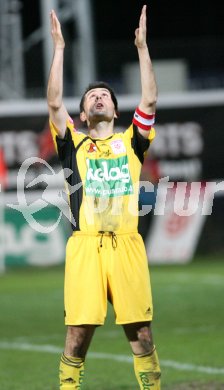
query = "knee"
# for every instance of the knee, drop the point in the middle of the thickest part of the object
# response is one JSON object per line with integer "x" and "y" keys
{"x": 145, "y": 339}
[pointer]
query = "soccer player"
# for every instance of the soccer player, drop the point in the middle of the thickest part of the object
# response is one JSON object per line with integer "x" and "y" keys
{"x": 105, "y": 256}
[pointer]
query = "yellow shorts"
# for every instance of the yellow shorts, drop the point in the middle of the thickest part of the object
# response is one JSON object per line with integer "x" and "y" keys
{"x": 101, "y": 267}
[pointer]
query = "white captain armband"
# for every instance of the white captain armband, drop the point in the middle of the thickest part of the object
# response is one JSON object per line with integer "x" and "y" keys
{"x": 142, "y": 120}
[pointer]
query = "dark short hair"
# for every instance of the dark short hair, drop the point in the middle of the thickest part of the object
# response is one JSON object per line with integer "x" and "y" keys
{"x": 99, "y": 84}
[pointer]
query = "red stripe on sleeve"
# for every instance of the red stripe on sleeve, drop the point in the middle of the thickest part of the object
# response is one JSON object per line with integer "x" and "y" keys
{"x": 140, "y": 125}
{"x": 143, "y": 115}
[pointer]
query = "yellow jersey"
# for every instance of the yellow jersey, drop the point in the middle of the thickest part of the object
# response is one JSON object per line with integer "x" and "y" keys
{"x": 103, "y": 180}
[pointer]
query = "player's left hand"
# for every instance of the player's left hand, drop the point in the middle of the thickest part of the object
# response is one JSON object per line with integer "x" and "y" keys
{"x": 56, "y": 32}
{"x": 140, "y": 32}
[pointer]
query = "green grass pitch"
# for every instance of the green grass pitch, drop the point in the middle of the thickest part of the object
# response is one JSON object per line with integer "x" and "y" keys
{"x": 188, "y": 330}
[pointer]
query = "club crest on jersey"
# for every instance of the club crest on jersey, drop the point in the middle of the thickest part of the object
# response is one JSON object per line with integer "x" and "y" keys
{"x": 108, "y": 177}
{"x": 91, "y": 148}
{"x": 118, "y": 146}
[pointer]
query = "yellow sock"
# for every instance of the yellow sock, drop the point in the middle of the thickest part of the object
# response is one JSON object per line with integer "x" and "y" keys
{"x": 71, "y": 372}
{"x": 147, "y": 371}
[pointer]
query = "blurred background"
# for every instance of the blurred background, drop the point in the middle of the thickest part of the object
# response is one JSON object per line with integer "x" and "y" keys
{"x": 186, "y": 44}
{"x": 189, "y": 37}
{"x": 186, "y": 240}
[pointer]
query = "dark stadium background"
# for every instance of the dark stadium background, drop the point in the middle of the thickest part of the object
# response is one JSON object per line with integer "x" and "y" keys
{"x": 192, "y": 30}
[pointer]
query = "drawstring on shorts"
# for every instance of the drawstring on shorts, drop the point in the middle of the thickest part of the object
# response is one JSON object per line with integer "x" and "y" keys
{"x": 112, "y": 235}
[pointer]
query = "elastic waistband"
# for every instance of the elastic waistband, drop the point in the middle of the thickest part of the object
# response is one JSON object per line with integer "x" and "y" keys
{"x": 100, "y": 232}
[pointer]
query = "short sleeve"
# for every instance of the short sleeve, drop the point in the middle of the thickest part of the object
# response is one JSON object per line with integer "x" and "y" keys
{"x": 70, "y": 141}
{"x": 54, "y": 132}
{"x": 139, "y": 144}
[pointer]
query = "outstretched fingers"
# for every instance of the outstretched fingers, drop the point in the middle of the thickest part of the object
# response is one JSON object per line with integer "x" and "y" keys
{"x": 54, "y": 21}
{"x": 56, "y": 30}
{"x": 140, "y": 32}
{"x": 142, "y": 20}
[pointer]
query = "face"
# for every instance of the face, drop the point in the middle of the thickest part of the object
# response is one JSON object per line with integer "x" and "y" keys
{"x": 98, "y": 106}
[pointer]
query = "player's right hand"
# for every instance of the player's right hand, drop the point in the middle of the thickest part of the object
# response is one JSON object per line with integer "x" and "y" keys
{"x": 56, "y": 33}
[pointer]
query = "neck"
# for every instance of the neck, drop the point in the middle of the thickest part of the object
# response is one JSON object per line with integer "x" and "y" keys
{"x": 101, "y": 129}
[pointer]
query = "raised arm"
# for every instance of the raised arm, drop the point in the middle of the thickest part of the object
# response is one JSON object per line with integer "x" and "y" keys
{"x": 147, "y": 105}
{"x": 57, "y": 111}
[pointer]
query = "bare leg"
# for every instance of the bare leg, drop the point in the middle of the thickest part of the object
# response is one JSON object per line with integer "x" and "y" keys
{"x": 78, "y": 340}
{"x": 146, "y": 362}
{"x": 140, "y": 337}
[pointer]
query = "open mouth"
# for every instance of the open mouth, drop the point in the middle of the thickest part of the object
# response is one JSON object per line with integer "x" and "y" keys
{"x": 99, "y": 106}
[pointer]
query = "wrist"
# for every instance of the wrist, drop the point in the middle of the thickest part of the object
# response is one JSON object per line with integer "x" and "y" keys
{"x": 142, "y": 47}
{"x": 59, "y": 47}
